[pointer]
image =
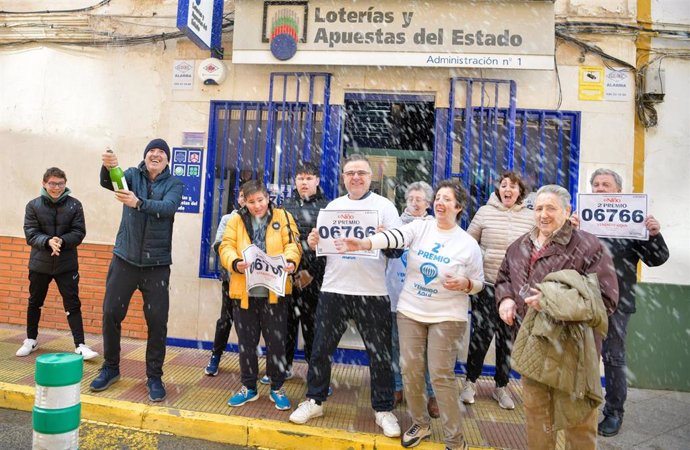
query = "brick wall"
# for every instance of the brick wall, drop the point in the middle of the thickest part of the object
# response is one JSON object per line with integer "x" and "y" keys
{"x": 94, "y": 260}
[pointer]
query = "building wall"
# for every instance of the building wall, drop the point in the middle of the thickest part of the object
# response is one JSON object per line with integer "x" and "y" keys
{"x": 667, "y": 146}
{"x": 93, "y": 261}
{"x": 64, "y": 105}
{"x": 657, "y": 336}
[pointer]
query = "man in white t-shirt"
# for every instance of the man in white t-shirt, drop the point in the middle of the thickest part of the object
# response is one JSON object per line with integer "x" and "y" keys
{"x": 353, "y": 288}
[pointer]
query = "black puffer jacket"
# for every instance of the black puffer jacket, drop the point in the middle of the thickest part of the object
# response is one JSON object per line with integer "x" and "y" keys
{"x": 305, "y": 213}
{"x": 626, "y": 254}
{"x": 45, "y": 219}
{"x": 145, "y": 235}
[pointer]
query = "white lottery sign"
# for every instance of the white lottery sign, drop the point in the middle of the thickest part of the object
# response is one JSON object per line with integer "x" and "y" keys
{"x": 613, "y": 215}
{"x": 264, "y": 270}
{"x": 332, "y": 224}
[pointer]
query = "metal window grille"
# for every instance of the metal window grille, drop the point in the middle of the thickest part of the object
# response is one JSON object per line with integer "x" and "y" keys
{"x": 265, "y": 141}
{"x": 490, "y": 135}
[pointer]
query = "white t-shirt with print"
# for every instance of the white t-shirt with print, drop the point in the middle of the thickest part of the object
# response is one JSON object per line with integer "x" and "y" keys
{"x": 351, "y": 275}
{"x": 434, "y": 253}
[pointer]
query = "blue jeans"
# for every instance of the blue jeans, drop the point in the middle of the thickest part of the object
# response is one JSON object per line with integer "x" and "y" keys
{"x": 613, "y": 355}
{"x": 396, "y": 361}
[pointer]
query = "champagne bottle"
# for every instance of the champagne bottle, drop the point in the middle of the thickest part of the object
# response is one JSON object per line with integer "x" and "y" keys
{"x": 117, "y": 176}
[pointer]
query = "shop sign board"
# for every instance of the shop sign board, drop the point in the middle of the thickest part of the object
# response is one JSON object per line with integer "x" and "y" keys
{"x": 201, "y": 21}
{"x": 441, "y": 33}
{"x": 186, "y": 165}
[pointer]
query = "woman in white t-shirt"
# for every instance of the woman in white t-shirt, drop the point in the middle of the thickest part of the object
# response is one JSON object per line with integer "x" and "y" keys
{"x": 418, "y": 197}
{"x": 444, "y": 266}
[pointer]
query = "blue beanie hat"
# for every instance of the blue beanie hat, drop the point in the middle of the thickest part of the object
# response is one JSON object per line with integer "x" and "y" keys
{"x": 159, "y": 144}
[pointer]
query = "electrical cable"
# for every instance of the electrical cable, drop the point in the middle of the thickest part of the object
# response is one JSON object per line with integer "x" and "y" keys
{"x": 597, "y": 26}
{"x": 558, "y": 79}
{"x": 58, "y": 11}
{"x": 593, "y": 49}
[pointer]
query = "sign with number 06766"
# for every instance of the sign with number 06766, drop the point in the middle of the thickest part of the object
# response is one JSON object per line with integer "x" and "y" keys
{"x": 332, "y": 224}
{"x": 613, "y": 215}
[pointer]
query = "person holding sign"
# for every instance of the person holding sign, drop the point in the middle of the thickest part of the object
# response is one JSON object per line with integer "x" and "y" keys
{"x": 444, "y": 266}
{"x": 627, "y": 253}
{"x": 554, "y": 248}
{"x": 258, "y": 311}
{"x": 353, "y": 288}
{"x": 496, "y": 225}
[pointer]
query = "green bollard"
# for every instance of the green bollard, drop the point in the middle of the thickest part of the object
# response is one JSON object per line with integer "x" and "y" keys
{"x": 57, "y": 408}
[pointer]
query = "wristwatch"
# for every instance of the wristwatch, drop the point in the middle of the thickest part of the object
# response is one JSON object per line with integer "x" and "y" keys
{"x": 139, "y": 203}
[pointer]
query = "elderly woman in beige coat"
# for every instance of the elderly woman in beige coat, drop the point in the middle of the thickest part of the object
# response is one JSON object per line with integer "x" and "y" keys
{"x": 495, "y": 226}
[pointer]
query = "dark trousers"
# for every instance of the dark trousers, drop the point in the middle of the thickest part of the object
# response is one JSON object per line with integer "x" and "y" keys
{"x": 153, "y": 282}
{"x": 301, "y": 310}
{"x": 372, "y": 316}
{"x": 485, "y": 324}
{"x": 68, "y": 285}
{"x": 269, "y": 321}
{"x": 224, "y": 322}
{"x": 613, "y": 355}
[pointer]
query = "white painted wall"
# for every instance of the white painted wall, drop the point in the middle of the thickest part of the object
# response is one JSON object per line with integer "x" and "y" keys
{"x": 667, "y": 146}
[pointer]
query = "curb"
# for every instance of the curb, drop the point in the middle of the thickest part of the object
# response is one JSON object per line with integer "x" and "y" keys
{"x": 211, "y": 427}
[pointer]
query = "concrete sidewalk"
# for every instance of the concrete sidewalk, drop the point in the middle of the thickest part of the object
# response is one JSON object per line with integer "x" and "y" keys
{"x": 196, "y": 404}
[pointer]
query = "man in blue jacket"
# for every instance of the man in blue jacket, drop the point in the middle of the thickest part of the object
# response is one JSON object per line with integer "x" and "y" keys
{"x": 141, "y": 260}
{"x": 54, "y": 227}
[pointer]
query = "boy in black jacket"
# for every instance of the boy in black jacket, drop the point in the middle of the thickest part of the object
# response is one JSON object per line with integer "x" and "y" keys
{"x": 54, "y": 226}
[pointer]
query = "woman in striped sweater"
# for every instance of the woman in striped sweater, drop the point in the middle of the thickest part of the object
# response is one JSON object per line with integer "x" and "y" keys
{"x": 495, "y": 226}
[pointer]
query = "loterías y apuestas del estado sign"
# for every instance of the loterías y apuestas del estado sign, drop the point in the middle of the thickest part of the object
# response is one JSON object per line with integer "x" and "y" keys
{"x": 442, "y": 33}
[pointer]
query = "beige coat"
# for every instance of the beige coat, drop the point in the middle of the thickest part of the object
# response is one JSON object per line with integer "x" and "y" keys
{"x": 495, "y": 227}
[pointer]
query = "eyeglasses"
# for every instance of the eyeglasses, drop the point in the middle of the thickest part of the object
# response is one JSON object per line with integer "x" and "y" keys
{"x": 56, "y": 185}
{"x": 359, "y": 173}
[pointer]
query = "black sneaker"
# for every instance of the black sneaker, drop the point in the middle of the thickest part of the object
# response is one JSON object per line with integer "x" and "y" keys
{"x": 414, "y": 435}
{"x": 610, "y": 426}
{"x": 156, "y": 389}
{"x": 106, "y": 377}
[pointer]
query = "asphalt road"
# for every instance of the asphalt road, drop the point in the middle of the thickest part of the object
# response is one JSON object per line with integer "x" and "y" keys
{"x": 16, "y": 433}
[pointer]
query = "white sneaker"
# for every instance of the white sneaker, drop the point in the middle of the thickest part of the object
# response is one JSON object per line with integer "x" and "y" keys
{"x": 468, "y": 392}
{"x": 389, "y": 423}
{"x": 306, "y": 411}
{"x": 85, "y": 351}
{"x": 503, "y": 398}
{"x": 27, "y": 347}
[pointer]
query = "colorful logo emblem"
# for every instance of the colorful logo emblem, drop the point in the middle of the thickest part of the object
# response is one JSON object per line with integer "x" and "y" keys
{"x": 284, "y": 34}
{"x": 429, "y": 272}
{"x": 403, "y": 258}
